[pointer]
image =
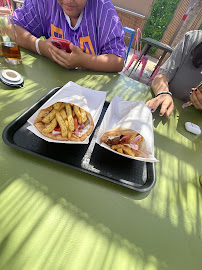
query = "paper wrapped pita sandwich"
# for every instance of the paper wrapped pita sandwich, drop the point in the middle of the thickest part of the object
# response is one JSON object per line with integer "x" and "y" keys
{"x": 64, "y": 122}
{"x": 125, "y": 141}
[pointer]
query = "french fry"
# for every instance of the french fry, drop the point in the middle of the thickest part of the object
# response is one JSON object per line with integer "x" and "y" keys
{"x": 69, "y": 117}
{"x": 67, "y": 124}
{"x": 128, "y": 151}
{"x": 51, "y": 126}
{"x": 117, "y": 146}
{"x": 83, "y": 115}
{"x": 57, "y": 105}
{"x": 49, "y": 117}
{"x": 120, "y": 150}
{"x": 63, "y": 114}
{"x": 69, "y": 134}
{"x": 125, "y": 149}
{"x": 131, "y": 138}
{"x": 43, "y": 114}
{"x": 78, "y": 113}
{"x": 62, "y": 106}
{"x": 61, "y": 123}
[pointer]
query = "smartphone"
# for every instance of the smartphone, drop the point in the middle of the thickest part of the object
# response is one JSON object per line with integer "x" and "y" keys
{"x": 60, "y": 43}
{"x": 199, "y": 87}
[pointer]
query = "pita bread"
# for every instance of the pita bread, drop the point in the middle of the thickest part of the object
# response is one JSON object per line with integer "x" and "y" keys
{"x": 117, "y": 132}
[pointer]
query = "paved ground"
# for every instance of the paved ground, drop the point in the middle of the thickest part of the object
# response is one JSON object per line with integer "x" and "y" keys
{"x": 147, "y": 71}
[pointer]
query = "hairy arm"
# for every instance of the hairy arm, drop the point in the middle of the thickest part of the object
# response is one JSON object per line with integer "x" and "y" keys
{"x": 27, "y": 41}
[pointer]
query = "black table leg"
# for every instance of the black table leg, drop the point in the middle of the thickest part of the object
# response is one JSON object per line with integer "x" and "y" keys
{"x": 159, "y": 62}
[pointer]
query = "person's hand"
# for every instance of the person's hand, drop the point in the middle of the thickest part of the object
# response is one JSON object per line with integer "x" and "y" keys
{"x": 67, "y": 60}
{"x": 45, "y": 47}
{"x": 166, "y": 102}
{"x": 196, "y": 98}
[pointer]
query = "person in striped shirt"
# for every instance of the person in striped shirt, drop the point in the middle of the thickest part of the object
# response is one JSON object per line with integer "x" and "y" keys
{"x": 92, "y": 26}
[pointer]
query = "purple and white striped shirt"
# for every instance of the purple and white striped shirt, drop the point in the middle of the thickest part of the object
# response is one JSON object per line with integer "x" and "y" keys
{"x": 100, "y": 30}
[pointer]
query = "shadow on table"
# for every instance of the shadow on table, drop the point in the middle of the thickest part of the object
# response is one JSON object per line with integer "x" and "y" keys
{"x": 95, "y": 181}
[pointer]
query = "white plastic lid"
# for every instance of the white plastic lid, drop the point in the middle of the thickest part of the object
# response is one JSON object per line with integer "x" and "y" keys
{"x": 11, "y": 75}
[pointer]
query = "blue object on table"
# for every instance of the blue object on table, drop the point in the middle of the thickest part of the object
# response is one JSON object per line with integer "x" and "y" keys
{"x": 130, "y": 33}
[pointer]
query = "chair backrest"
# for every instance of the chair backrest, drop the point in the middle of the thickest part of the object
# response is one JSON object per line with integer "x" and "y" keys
{"x": 138, "y": 45}
{"x": 5, "y": 4}
{"x": 129, "y": 33}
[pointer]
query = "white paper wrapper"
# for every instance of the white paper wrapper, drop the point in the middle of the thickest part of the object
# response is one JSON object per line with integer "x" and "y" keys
{"x": 133, "y": 115}
{"x": 90, "y": 100}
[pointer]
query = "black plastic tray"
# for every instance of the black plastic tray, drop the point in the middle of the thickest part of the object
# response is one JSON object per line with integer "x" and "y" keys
{"x": 89, "y": 158}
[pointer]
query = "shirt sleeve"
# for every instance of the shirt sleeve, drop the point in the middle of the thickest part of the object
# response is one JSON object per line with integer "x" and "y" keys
{"x": 111, "y": 33}
{"x": 179, "y": 55}
{"x": 30, "y": 17}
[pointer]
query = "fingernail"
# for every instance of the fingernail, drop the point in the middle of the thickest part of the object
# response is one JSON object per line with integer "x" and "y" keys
{"x": 196, "y": 89}
{"x": 190, "y": 92}
{"x": 160, "y": 114}
{"x": 152, "y": 110}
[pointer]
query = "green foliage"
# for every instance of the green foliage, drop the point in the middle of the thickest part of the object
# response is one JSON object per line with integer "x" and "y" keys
{"x": 161, "y": 15}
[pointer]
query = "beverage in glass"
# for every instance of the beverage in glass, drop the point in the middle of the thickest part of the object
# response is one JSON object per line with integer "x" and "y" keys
{"x": 8, "y": 38}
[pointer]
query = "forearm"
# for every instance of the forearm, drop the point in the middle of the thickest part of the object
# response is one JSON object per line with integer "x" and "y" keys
{"x": 5, "y": 10}
{"x": 105, "y": 62}
{"x": 26, "y": 39}
{"x": 160, "y": 83}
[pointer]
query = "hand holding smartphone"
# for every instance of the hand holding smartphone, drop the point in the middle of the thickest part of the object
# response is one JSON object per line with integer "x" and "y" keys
{"x": 189, "y": 103}
{"x": 60, "y": 43}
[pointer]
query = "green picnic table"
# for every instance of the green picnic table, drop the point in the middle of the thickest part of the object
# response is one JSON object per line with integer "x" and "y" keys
{"x": 56, "y": 217}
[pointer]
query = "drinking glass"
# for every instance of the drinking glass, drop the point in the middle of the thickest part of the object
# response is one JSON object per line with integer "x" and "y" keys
{"x": 8, "y": 39}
